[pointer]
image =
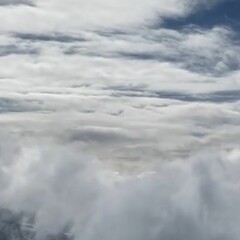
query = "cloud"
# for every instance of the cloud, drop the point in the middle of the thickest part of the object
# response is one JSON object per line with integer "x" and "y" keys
{"x": 49, "y": 38}
{"x": 12, "y": 49}
{"x": 175, "y": 203}
{"x": 116, "y": 126}
{"x": 16, "y": 2}
{"x": 195, "y": 197}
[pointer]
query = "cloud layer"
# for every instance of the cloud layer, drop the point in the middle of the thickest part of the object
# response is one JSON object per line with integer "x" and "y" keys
{"x": 117, "y": 123}
{"x": 193, "y": 198}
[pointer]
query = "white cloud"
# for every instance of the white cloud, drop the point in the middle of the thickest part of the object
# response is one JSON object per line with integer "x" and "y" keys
{"x": 71, "y": 15}
{"x": 99, "y": 107}
{"x": 195, "y": 198}
{"x": 15, "y": 2}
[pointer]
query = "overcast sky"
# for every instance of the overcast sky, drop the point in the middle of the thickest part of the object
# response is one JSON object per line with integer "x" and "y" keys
{"x": 122, "y": 117}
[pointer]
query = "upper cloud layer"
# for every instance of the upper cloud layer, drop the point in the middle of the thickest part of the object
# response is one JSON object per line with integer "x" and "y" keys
{"x": 72, "y": 15}
{"x": 15, "y": 2}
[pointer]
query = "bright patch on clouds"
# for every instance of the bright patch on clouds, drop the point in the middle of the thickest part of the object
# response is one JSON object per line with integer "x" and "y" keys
{"x": 119, "y": 120}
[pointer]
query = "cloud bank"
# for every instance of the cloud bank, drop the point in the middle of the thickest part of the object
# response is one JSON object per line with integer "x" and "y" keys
{"x": 119, "y": 120}
{"x": 193, "y": 198}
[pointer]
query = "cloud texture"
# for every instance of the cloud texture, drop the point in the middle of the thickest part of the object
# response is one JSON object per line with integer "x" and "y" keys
{"x": 117, "y": 123}
{"x": 193, "y": 198}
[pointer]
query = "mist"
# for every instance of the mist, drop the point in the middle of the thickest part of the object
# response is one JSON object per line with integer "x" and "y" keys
{"x": 193, "y": 198}
{"x": 119, "y": 120}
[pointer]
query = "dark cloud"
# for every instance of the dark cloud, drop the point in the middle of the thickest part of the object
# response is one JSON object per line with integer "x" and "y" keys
{"x": 103, "y": 136}
{"x": 20, "y": 50}
{"x": 16, "y": 2}
{"x": 182, "y": 48}
{"x": 55, "y": 37}
{"x": 214, "y": 97}
{"x": 189, "y": 61}
{"x": 8, "y": 105}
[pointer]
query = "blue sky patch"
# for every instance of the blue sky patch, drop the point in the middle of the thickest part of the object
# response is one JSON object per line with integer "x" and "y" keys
{"x": 225, "y": 13}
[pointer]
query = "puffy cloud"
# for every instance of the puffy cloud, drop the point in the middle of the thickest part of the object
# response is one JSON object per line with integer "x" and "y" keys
{"x": 102, "y": 114}
{"x": 195, "y": 197}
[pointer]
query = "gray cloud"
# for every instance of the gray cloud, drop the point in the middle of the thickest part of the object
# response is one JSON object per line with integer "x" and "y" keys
{"x": 105, "y": 136}
{"x": 16, "y": 2}
{"x": 13, "y": 49}
{"x": 216, "y": 97}
{"x": 202, "y": 51}
{"x": 49, "y": 38}
{"x": 8, "y": 105}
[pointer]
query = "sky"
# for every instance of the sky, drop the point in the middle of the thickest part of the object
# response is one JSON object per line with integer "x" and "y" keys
{"x": 121, "y": 117}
